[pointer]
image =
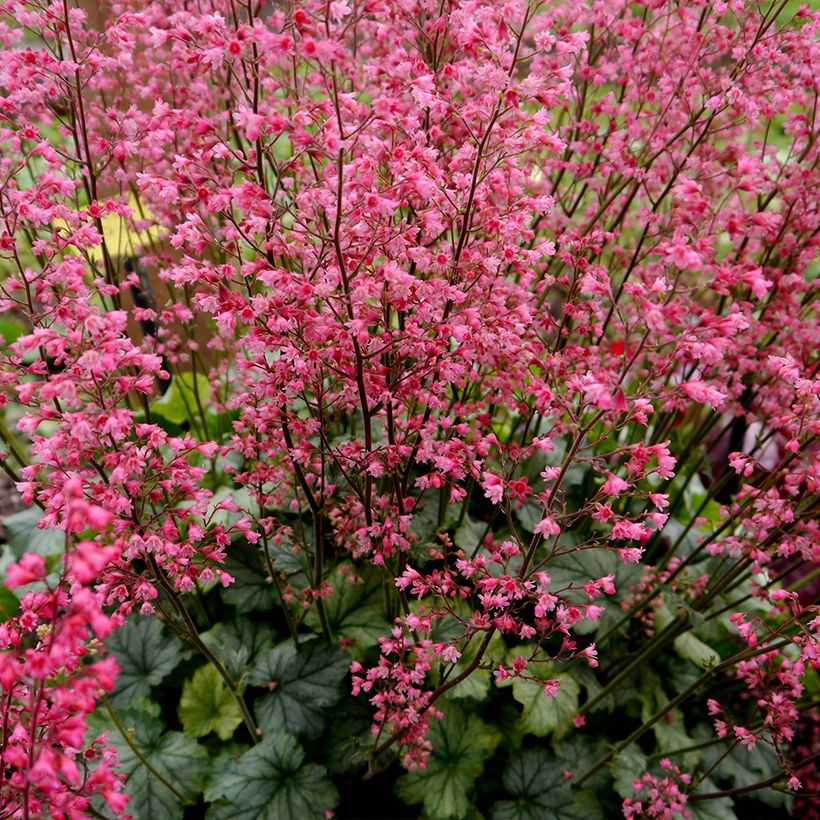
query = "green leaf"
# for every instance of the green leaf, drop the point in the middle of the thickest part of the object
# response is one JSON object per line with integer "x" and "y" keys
{"x": 711, "y": 512}
{"x": 282, "y": 148}
{"x": 354, "y": 611}
{"x": 512, "y": 736}
{"x": 271, "y": 782}
{"x": 461, "y": 744}
{"x": 502, "y": 429}
{"x": 23, "y": 535}
{"x": 240, "y": 496}
{"x": 251, "y": 589}
{"x": 744, "y": 767}
{"x": 536, "y": 779}
{"x": 292, "y": 560}
{"x": 695, "y": 650}
{"x": 529, "y": 515}
{"x": 671, "y": 735}
{"x": 177, "y": 758}
{"x": 543, "y": 714}
{"x": 179, "y": 402}
{"x": 239, "y": 642}
{"x": 303, "y": 684}
{"x": 469, "y": 534}
{"x": 579, "y": 753}
{"x": 718, "y": 809}
{"x": 674, "y": 602}
{"x": 449, "y": 625}
{"x": 146, "y": 653}
{"x": 348, "y": 739}
{"x": 207, "y": 705}
{"x": 627, "y": 767}
{"x": 11, "y": 329}
{"x": 424, "y": 522}
{"x": 477, "y": 685}
{"x": 226, "y": 753}
{"x": 9, "y": 604}
{"x": 584, "y": 675}
{"x": 578, "y": 567}
{"x": 687, "y": 645}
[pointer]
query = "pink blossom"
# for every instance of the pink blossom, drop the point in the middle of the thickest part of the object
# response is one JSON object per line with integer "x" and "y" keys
{"x": 547, "y": 527}
{"x": 493, "y": 487}
{"x": 30, "y": 568}
{"x": 551, "y": 688}
{"x": 614, "y": 485}
{"x": 702, "y": 392}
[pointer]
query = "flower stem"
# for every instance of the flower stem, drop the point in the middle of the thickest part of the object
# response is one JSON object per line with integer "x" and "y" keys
{"x": 139, "y": 755}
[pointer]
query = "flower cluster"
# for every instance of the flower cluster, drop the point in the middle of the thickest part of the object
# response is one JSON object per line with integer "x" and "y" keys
{"x": 513, "y": 305}
{"x": 51, "y": 682}
{"x": 663, "y": 797}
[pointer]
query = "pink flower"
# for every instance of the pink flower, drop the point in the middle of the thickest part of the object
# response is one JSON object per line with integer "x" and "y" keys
{"x": 493, "y": 487}
{"x": 702, "y": 392}
{"x": 375, "y": 285}
{"x": 30, "y": 568}
{"x": 591, "y": 655}
{"x": 551, "y": 688}
{"x": 613, "y": 485}
{"x": 547, "y": 526}
{"x": 746, "y": 737}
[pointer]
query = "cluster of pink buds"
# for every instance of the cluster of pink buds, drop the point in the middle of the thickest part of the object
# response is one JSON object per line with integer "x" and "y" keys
{"x": 663, "y": 797}
{"x": 51, "y": 681}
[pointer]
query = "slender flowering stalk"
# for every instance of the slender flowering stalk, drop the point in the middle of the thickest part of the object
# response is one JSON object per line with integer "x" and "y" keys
{"x": 496, "y": 320}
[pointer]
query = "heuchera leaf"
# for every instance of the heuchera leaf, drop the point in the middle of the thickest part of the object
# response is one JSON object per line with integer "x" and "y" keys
{"x": 536, "y": 779}
{"x": 629, "y": 765}
{"x": 23, "y": 534}
{"x": 239, "y": 642}
{"x": 303, "y": 684}
{"x": 271, "y": 782}
{"x": 469, "y": 534}
{"x": 543, "y": 715}
{"x": 461, "y": 744}
{"x": 251, "y": 589}
{"x": 179, "y": 403}
{"x": 9, "y": 604}
{"x": 671, "y": 734}
{"x": 354, "y": 611}
{"x": 744, "y": 767}
{"x": 347, "y": 740}
{"x": 695, "y": 650}
{"x": 687, "y": 645}
{"x": 578, "y": 753}
{"x": 240, "y": 496}
{"x": 207, "y": 705}
{"x": 177, "y": 758}
{"x": 720, "y": 808}
{"x": 477, "y": 685}
{"x": 579, "y": 566}
{"x": 146, "y": 653}
{"x": 11, "y": 330}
